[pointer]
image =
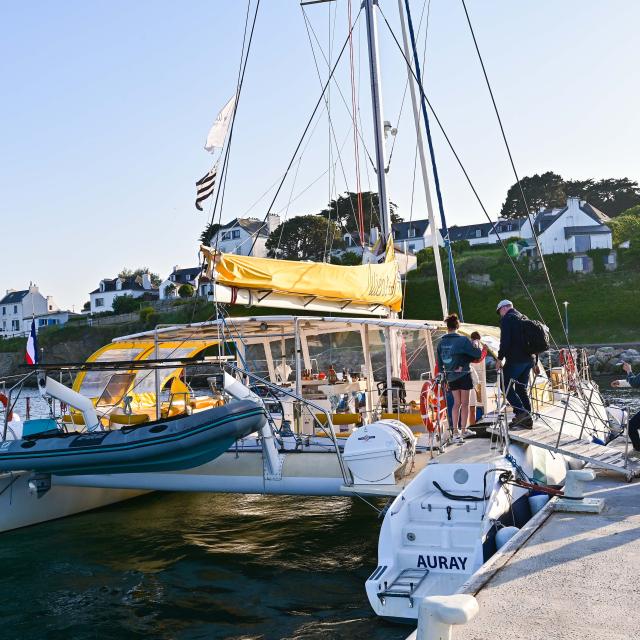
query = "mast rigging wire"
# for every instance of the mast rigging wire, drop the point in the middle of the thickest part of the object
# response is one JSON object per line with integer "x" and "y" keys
{"x": 515, "y": 173}
{"x": 240, "y": 83}
{"x": 356, "y": 150}
{"x": 463, "y": 168}
{"x": 304, "y": 133}
{"x": 331, "y": 127}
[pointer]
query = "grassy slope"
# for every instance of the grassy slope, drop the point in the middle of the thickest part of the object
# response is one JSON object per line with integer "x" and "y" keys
{"x": 603, "y": 307}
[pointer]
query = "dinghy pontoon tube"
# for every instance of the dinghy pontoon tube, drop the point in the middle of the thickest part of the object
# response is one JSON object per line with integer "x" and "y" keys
{"x": 181, "y": 442}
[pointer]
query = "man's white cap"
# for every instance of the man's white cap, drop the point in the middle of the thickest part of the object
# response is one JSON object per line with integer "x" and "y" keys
{"x": 504, "y": 303}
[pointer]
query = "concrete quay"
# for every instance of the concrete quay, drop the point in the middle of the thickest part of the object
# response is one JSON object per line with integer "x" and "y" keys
{"x": 577, "y": 576}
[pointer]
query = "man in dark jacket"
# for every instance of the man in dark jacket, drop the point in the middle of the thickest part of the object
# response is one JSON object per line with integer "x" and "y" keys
{"x": 634, "y": 422}
{"x": 517, "y": 364}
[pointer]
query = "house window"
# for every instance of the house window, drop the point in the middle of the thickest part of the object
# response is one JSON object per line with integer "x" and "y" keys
{"x": 478, "y": 233}
{"x": 509, "y": 227}
{"x": 4, "y": 325}
{"x": 15, "y": 325}
{"x": 412, "y": 248}
{"x": 4, "y": 311}
{"x": 412, "y": 232}
{"x": 235, "y": 234}
{"x": 99, "y": 302}
{"x": 15, "y": 308}
{"x": 41, "y": 322}
{"x": 226, "y": 235}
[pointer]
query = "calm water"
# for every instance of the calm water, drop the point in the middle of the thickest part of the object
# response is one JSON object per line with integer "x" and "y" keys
{"x": 191, "y": 566}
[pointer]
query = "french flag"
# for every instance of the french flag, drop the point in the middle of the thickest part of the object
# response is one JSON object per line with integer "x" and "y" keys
{"x": 32, "y": 345}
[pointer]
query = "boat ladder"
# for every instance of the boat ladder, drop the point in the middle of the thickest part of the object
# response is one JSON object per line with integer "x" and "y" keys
{"x": 404, "y": 586}
{"x": 599, "y": 456}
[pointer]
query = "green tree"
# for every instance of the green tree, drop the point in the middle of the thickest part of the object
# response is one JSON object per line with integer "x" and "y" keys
{"x": 344, "y": 211}
{"x": 548, "y": 190}
{"x": 626, "y": 226}
{"x": 304, "y": 238}
{"x": 613, "y": 195}
{"x": 209, "y": 231}
{"x": 134, "y": 273}
{"x": 124, "y": 304}
{"x": 86, "y": 306}
{"x": 185, "y": 291}
{"x": 541, "y": 191}
{"x": 350, "y": 259}
{"x": 169, "y": 290}
{"x": 148, "y": 315}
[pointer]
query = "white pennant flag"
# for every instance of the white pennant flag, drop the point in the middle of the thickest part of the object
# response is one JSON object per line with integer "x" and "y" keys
{"x": 218, "y": 131}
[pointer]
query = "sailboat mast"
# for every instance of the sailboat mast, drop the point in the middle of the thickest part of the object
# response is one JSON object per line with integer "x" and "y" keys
{"x": 433, "y": 227}
{"x": 434, "y": 168}
{"x": 378, "y": 121}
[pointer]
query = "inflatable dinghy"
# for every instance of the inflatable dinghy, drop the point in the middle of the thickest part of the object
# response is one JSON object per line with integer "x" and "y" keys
{"x": 181, "y": 442}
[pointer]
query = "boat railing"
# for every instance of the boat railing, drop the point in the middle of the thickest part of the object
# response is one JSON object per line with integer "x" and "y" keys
{"x": 305, "y": 403}
{"x": 11, "y": 400}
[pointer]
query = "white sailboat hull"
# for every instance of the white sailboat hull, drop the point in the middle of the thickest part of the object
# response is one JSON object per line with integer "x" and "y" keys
{"x": 20, "y": 507}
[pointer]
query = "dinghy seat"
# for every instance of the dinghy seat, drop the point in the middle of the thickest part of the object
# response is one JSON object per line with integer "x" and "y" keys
{"x": 73, "y": 418}
{"x": 121, "y": 419}
{"x": 340, "y": 419}
{"x": 410, "y": 419}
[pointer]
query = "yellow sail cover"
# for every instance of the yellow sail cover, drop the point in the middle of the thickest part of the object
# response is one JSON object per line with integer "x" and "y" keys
{"x": 367, "y": 283}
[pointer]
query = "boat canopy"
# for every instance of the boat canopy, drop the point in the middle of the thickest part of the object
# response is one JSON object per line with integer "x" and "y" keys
{"x": 108, "y": 388}
{"x": 367, "y": 284}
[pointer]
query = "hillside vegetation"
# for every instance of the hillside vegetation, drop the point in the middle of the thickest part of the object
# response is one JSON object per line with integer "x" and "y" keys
{"x": 602, "y": 305}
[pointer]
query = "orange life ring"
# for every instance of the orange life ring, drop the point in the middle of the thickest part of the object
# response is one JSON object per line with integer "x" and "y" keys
{"x": 5, "y": 402}
{"x": 432, "y": 403}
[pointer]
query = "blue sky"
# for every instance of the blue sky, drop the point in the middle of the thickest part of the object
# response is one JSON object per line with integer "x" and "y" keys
{"x": 106, "y": 105}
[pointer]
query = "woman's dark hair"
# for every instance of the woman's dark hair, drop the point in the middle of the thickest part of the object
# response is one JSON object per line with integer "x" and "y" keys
{"x": 452, "y": 321}
{"x": 475, "y": 336}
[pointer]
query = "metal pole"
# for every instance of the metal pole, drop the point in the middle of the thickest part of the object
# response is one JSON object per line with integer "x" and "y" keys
{"x": 423, "y": 165}
{"x": 157, "y": 375}
{"x": 436, "y": 180}
{"x": 378, "y": 122}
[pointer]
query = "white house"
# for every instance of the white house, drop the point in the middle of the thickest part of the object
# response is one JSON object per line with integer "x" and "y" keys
{"x": 472, "y": 233}
{"x": 575, "y": 228}
{"x": 245, "y": 236}
{"x": 110, "y": 288}
{"x": 408, "y": 237}
{"x": 53, "y": 318}
{"x": 18, "y": 307}
{"x": 179, "y": 276}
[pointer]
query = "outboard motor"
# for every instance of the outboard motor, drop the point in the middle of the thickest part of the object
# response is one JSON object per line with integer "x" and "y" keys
{"x": 375, "y": 452}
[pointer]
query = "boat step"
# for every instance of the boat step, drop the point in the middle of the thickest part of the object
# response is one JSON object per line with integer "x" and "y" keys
{"x": 405, "y": 585}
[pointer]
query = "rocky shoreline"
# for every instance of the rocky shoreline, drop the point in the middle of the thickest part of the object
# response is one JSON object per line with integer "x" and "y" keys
{"x": 607, "y": 359}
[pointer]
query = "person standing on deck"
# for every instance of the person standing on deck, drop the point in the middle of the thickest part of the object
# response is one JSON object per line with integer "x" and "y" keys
{"x": 455, "y": 354}
{"x": 634, "y": 422}
{"x": 517, "y": 364}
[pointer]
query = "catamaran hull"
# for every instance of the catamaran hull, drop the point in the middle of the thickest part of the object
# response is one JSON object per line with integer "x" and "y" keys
{"x": 21, "y": 507}
{"x": 302, "y": 473}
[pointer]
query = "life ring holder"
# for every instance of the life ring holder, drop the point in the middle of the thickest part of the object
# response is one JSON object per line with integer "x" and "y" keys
{"x": 5, "y": 403}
